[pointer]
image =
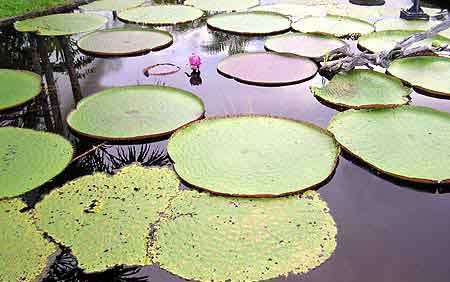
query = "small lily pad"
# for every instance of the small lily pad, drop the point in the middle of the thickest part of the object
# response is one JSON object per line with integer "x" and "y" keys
{"x": 407, "y": 142}
{"x": 314, "y": 46}
{"x": 359, "y": 89}
{"x": 278, "y": 157}
{"x": 61, "y": 24}
{"x": 268, "y": 68}
{"x": 30, "y": 158}
{"x": 18, "y": 87}
{"x": 222, "y": 5}
{"x": 24, "y": 252}
{"x": 430, "y": 74}
{"x": 135, "y": 112}
{"x": 105, "y": 219}
{"x": 292, "y": 10}
{"x": 250, "y": 23}
{"x": 386, "y": 40}
{"x": 161, "y": 15}
{"x": 124, "y": 42}
{"x": 339, "y": 26}
{"x": 112, "y": 5}
{"x": 210, "y": 238}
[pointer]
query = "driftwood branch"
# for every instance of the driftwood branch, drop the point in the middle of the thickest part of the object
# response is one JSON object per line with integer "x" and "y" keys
{"x": 352, "y": 59}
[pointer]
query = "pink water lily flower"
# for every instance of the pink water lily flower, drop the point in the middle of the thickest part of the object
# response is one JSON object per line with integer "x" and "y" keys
{"x": 195, "y": 61}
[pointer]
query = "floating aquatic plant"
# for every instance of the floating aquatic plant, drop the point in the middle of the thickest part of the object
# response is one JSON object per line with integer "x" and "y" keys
{"x": 112, "y": 5}
{"x": 135, "y": 112}
{"x": 222, "y": 5}
{"x": 161, "y": 15}
{"x": 268, "y": 69}
{"x": 279, "y": 157}
{"x": 210, "y": 238}
{"x": 407, "y": 142}
{"x": 105, "y": 220}
{"x": 292, "y": 10}
{"x": 124, "y": 42}
{"x": 18, "y": 87}
{"x": 360, "y": 89}
{"x": 30, "y": 158}
{"x": 24, "y": 252}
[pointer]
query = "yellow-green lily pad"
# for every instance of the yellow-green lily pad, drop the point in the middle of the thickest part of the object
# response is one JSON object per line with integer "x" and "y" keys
{"x": 112, "y": 5}
{"x": 161, "y": 15}
{"x": 222, "y": 5}
{"x": 18, "y": 87}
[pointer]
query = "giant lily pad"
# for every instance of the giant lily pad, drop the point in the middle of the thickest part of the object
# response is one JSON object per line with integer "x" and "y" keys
{"x": 112, "y": 5}
{"x": 105, "y": 220}
{"x": 210, "y": 238}
{"x": 406, "y": 142}
{"x": 333, "y": 25}
{"x": 222, "y": 5}
{"x": 268, "y": 69}
{"x": 360, "y": 89}
{"x": 293, "y": 10}
{"x": 161, "y": 15}
{"x": 124, "y": 42}
{"x": 430, "y": 74}
{"x": 61, "y": 24}
{"x": 135, "y": 112}
{"x": 307, "y": 45}
{"x": 30, "y": 158}
{"x": 250, "y": 23}
{"x": 23, "y": 250}
{"x": 253, "y": 155}
{"x": 370, "y": 14}
{"x": 18, "y": 87}
{"x": 412, "y": 25}
{"x": 386, "y": 40}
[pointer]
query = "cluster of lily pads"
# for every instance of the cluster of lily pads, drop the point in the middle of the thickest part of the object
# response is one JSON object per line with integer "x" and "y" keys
{"x": 254, "y": 190}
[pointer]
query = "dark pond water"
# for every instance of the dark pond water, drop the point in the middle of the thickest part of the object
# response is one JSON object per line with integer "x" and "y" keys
{"x": 387, "y": 230}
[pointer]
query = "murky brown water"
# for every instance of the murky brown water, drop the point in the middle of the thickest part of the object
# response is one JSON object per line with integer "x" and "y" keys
{"x": 388, "y": 230}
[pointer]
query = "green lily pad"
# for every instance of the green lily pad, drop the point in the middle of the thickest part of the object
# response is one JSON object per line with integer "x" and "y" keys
{"x": 268, "y": 68}
{"x": 412, "y": 25}
{"x": 135, "y": 112}
{"x": 279, "y": 157}
{"x": 61, "y": 24}
{"x": 430, "y": 73}
{"x": 112, "y": 5}
{"x": 293, "y": 10}
{"x": 369, "y": 14}
{"x": 30, "y": 158}
{"x": 18, "y": 87}
{"x": 314, "y": 46}
{"x": 386, "y": 40}
{"x": 222, "y": 5}
{"x": 161, "y": 15}
{"x": 24, "y": 252}
{"x": 210, "y": 238}
{"x": 333, "y": 25}
{"x": 363, "y": 89}
{"x": 250, "y": 23}
{"x": 406, "y": 142}
{"x": 105, "y": 220}
{"x": 309, "y": 2}
{"x": 124, "y": 42}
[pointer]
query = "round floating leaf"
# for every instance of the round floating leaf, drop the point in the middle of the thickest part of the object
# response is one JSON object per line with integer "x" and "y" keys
{"x": 210, "y": 238}
{"x": 366, "y": 13}
{"x": 360, "y": 89}
{"x": 161, "y": 15}
{"x": 253, "y": 155}
{"x": 30, "y": 158}
{"x": 412, "y": 25}
{"x": 250, "y": 23}
{"x": 135, "y": 112}
{"x": 124, "y": 42}
{"x": 430, "y": 74}
{"x": 18, "y": 87}
{"x": 406, "y": 142}
{"x": 222, "y": 5}
{"x": 310, "y": 2}
{"x": 112, "y": 5}
{"x": 386, "y": 40}
{"x": 268, "y": 69}
{"x": 299, "y": 11}
{"x": 23, "y": 250}
{"x": 333, "y": 25}
{"x": 307, "y": 45}
{"x": 61, "y": 24}
{"x": 161, "y": 69}
{"x": 105, "y": 220}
